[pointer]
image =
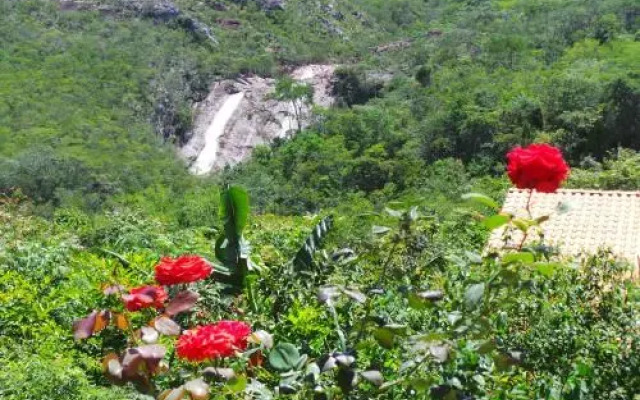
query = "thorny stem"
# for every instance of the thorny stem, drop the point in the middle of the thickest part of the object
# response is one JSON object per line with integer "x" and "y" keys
{"x": 388, "y": 261}
{"x": 528, "y": 208}
{"x": 379, "y": 284}
{"x": 343, "y": 340}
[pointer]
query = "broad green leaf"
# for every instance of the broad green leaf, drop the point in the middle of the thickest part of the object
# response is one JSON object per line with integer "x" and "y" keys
{"x": 284, "y": 357}
{"x": 385, "y": 337}
{"x": 234, "y": 208}
{"x": 522, "y": 257}
{"x": 523, "y": 224}
{"x": 473, "y": 257}
{"x": 230, "y": 247}
{"x": 379, "y": 230}
{"x": 304, "y": 257}
{"x": 547, "y": 269}
{"x": 481, "y": 199}
{"x": 237, "y": 384}
{"x": 474, "y": 294}
{"x": 496, "y": 221}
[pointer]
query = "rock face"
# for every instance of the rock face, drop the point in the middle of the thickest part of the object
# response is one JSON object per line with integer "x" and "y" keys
{"x": 256, "y": 120}
{"x": 158, "y": 10}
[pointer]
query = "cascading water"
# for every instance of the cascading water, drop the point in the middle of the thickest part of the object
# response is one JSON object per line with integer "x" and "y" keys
{"x": 207, "y": 157}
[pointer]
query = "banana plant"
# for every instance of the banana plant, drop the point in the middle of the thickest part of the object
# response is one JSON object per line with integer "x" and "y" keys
{"x": 231, "y": 248}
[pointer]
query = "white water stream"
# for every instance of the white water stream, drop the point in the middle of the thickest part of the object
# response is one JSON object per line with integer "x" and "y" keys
{"x": 207, "y": 157}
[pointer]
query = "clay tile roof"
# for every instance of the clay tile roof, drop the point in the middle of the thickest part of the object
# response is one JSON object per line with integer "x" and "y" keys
{"x": 582, "y": 221}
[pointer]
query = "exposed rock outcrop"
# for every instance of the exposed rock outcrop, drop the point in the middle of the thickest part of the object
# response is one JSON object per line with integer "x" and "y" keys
{"x": 158, "y": 10}
{"x": 257, "y": 118}
{"x": 265, "y": 5}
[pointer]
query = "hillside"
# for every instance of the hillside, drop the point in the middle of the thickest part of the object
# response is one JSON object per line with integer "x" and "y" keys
{"x": 294, "y": 178}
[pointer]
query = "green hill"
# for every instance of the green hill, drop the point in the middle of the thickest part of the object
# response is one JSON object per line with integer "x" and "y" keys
{"x": 357, "y": 253}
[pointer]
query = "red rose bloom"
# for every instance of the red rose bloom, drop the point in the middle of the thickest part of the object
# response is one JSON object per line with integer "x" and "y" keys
{"x": 238, "y": 331}
{"x": 538, "y": 166}
{"x": 145, "y": 297}
{"x": 209, "y": 342}
{"x": 184, "y": 269}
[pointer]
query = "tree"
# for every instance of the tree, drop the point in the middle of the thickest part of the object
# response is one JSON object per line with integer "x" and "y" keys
{"x": 299, "y": 94}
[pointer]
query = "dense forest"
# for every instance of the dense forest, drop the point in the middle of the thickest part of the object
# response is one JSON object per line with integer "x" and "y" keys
{"x": 351, "y": 253}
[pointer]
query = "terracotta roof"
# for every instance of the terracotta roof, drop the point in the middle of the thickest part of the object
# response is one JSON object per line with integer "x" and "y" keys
{"x": 582, "y": 221}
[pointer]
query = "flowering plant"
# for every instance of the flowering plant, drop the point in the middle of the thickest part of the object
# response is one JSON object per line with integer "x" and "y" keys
{"x": 538, "y": 166}
{"x": 184, "y": 269}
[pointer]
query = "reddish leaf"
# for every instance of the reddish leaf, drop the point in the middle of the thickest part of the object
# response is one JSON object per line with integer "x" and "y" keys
{"x": 120, "y": 321}
{"x": 167, "y": 326}
{"x": 83, "y": 328}
{"x": 184, "y": 301}
{"x": 152, "y": 355}
{"x": 173, "y": 394}
{"x": 256, "y": 359}
{"x": 102, "y": 321}
{"x": 131, "y": 364}
{"x": 149, "y": 335}
{"x": 112, "y": 290}
{"x": 198, "y": 389}
{"x": 112, "y": 368}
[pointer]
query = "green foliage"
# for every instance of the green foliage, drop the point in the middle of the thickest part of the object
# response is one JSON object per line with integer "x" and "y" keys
{"x": 304, "y": 257}
{"x": 431, "y": 96}
{"x": 619, "y": 171}
{"x": 351, "y": 87}
{"x": 231, "y": 248}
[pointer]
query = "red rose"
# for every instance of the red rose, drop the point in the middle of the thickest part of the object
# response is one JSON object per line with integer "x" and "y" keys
{"x": 538, "y": 166}
{"x": 238, "y": 331}
{"x": 209, "y": 342}
{"x": 145, "y": 297}
{"x": 184, "y": 269}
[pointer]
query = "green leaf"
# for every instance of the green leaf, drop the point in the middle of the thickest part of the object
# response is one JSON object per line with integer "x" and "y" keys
{"x": 486, "y": 347}
{"x": 473, "y": 257}
{"x": 496, "y": 221}
{"x": 230, "y": 248}
{"x": 416, "y": 302}
{"x": 284, "y": 357}
{"x": 522, "y": 257}
{"x": 237, "y": 384}
{"x": 304, "y": 257}
{"x": 474, "y": 294}
{"x": 385, "y": 337}
{"x": 523, "y": 224}
{"x": 481, "y": 199}
{"x": 420, "y": 385}
{"x": 379, "y": 230}
{"x": 234, "y": 208}
{"x": 547, "y": 269}
{"x": 542, "y": 219}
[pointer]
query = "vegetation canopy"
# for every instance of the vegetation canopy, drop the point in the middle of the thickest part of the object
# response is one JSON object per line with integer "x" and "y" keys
{"x": 346, "y": 260}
